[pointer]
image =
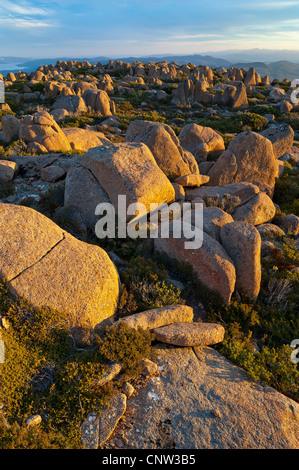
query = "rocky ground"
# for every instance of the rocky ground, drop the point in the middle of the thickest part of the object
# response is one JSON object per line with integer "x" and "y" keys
{"x": 220, "y": 317}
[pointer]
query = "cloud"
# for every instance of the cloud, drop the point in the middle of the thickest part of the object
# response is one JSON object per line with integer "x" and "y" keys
{"x": 23, "y": 8}
{"x": 24, "y": 15}
{"x": 24, "y": 23}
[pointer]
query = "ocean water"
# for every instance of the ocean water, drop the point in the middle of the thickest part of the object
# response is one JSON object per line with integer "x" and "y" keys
{"x": 10, "y": 67}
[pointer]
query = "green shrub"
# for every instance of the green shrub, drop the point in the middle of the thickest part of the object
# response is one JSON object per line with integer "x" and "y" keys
{"x": 45, "y": 373}
{"x": 286, "y": 193}
{"x": 125, "y": 345}
{"x": 236, "y": 123}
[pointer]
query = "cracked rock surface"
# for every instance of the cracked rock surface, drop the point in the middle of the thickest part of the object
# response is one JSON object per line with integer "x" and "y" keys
{"x": 200, "y": 400}
{"x": 49, "y": 267}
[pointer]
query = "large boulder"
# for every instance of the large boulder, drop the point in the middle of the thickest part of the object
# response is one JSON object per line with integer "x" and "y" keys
{"x": 242, "y": 242}
{"x": 201, "y": 92}
{"x": 281, "y": 136}
{"x": 183, "y": 95}
{"x": 211, "y": 264}
{"x": 73, "y": 104}
{"x": 41, "y": 128}
{"x": 49, "y": 267}
{"x": 201, "y": 141}
{"x": 99, "y": 101}
{"x": 250, "y": 78}
{"x": 83, "y": 139}
{"x": 10, "y": 127}
{"x": 213, "y": 219}
{"x": 164, "y": 145}
{"x": 129, "y": 169}
{"x": 258, "y": 210}
{"x": 249, "y": 157}
{"x": 232, "y": 95}
{"x": 81, "y": 196}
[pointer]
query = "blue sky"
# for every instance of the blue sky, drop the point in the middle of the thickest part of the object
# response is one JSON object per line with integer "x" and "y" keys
{"x": 119, "y": 28}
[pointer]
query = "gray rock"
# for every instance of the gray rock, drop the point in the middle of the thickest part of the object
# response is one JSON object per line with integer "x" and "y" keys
{"x": 52, "y": 173}
{"x": 112, "y": 371}
{"x": 95, "y": 431}
{"x": 281, "y": 136}
{"x": 200, "y": 400}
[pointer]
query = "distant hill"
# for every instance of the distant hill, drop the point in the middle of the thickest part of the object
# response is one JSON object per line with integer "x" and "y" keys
{"x": 279, "y": 70}
{"x": 195, "y": 59}
{"x": 276, "y": 70}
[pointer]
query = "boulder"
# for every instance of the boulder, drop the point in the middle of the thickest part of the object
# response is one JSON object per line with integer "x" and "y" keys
{"x": 190, "y": 334}
{"x": 192, "y": 180}
{"x": 248, "y": 158}
{"x": 285, "y": 107}
{"x": 52, "y": 173}
{"x": 211, "y": 264}
{"x": 41, "y": 128}
{"x": 83, "y": 193}
{"x": 154, "y": 318}
{"x": 242, "y": 242}
{"x": 73, "y": 104}
{"x": 8, "y": 170}
{"x": 59, "y": 114}
{"x": 281, "y": 136}
{"x": 201, "y": 93}
{"x": 10, "y": 126}
{"x": 99, "y": 101}
{"x": 233, "y": 95}
{"x": 183, "y": 95}
{"x": 129, "y": 169}
{"x": 83, "y": 139}
{"x": 258, "y": 210}
{"x": 250, "y": 78}
{"x": 269, "y": 231}
{"x": 290, "y": 224}
{"x": 243, "y": 191}
{"x": 213, "y": 219}
{"x": 49, "y": 267}
{"x": 202, "y": 142}
{"x": 163, "y": 143}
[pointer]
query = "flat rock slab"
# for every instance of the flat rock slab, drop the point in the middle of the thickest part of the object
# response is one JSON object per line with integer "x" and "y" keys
{"x": 150, "y": 319}
{"x": 190, "y": 334}
{"x": 200, "y": 400}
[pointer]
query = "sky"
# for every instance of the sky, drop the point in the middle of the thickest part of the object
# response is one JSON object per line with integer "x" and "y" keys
{"x": 123, "y": 28}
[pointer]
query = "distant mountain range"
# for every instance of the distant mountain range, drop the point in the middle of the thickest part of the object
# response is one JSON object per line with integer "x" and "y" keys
{"x": 279, "y": 69}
